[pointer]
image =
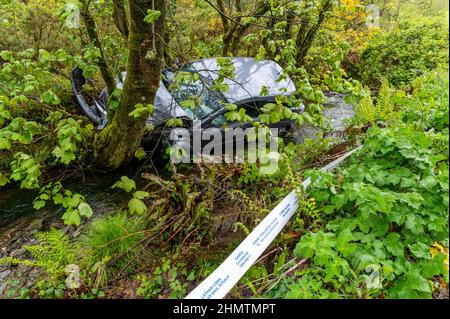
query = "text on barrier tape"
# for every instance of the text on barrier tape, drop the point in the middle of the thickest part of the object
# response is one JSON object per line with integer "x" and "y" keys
{"x": 223, "y": 279}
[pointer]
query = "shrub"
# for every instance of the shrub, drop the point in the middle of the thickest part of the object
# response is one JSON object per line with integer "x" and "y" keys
{"x": 52, "y": 254}
{"x": 404, "y": 53}
{"x": 111, "y": 246}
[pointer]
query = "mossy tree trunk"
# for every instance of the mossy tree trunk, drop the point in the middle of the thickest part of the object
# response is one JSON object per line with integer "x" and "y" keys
{"x": 120, "y": 17}
{"x": 116, "y": 145}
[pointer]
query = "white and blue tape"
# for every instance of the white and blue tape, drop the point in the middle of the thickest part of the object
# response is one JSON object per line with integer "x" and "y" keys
{"x": 223, "y": 279}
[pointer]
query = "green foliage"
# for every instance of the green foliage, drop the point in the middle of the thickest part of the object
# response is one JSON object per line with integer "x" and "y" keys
{"x": 74, "y": 204}
{"x": 171, "y": 279}
{"x": 25, "y": 169}
{"x": 369, "y": 230}
{"x": 419, "y": 45}
{"x": 428, "y": 106}
{"x": 141, "y": 110}
{"x": 135, "y": 205}
{"x": 52, "y": 254}
{"x": 384, "y": 106}
{"x": 275, "y": 112}
{"x": 126, "y": 184}
{"x": 19, "y": 130}
{"x": 16, "y": 290}
{"x": 366, "y": 111}
{"x": 384, "y": 210}
{"x": 152, "y": 16}
{"x": 140, "y": 153}
{"x": 111, "y": 246}
{"x": 69, "y": 133}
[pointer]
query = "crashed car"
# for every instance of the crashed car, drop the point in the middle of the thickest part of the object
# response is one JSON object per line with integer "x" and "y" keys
{"x": 255, "y": 84}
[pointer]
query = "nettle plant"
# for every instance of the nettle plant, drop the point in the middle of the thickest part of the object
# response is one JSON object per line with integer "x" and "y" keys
{"x": 385, "y": 211}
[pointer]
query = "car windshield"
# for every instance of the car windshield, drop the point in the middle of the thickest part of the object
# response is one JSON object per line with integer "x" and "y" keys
{"x": 192, "y": 92}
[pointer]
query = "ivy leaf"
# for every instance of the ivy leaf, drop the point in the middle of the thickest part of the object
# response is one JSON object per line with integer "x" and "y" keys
{"x": 136, "y": 206}
{"x": 126, "y": 184}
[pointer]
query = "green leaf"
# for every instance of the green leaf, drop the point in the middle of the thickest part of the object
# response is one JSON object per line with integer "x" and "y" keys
{"x": 72, "y": 217}
{"x": 6, "y": 55}
{"x": 420, "y": 250}
{"x": 3, "y": 180}
{"x": 85, "y": 210}
{"x": 152, "y": 16}
{"x": 393, "y": 244}
{"x": 189, "y": 104}
{"x": 140, "y": 153}
{"x": 342, "y": 242}
{"x": 410, "y": 285}
{"x": 141, "y": 110}
{"x": 4, "y": 144}
{"x": 126, "y": 184}
{"x": 136, "y": 206}
{"x": 50, "y": 97}
{"x": 38, "y": 204}
{"x": 140, "y": 195}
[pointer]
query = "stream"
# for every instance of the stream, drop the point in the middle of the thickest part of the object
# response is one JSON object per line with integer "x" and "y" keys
{"x": 19, "y": 221}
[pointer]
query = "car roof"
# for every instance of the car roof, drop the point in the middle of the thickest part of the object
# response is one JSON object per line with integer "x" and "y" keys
{"x": 251, "y": 77}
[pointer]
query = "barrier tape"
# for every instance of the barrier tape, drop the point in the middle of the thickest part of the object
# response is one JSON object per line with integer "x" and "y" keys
{"x": 226, "y": 276}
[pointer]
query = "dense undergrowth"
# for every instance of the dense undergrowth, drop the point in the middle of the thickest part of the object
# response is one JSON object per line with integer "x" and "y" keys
{"x": 377, "y": 227}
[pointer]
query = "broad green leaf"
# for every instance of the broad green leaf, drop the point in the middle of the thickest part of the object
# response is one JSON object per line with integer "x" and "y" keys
{"x": 4, "y": 144}
{"x": 72, "y": 217}
{"x": 140, "y": 195}
{"x": 140, "y": 153}
{"x": 126, "y": 184}
{"x": 85, "y": 210}
{"x": 393, "y": 244}
{"x": 152, "y": 16}
{"x": 136, "y": 206}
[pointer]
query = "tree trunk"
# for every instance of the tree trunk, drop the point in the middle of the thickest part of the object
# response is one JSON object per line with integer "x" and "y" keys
{"x": 95, "y": 40}
{"x": 307, "y": 32}
{"x": 236, "y": 29}
{"x": 120, "y": 17}
{"x": 116, "y": 145}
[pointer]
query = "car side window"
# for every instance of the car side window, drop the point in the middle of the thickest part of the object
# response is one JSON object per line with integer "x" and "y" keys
{"x": 219, "y": 121}
{"x": 251, "y": 110}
